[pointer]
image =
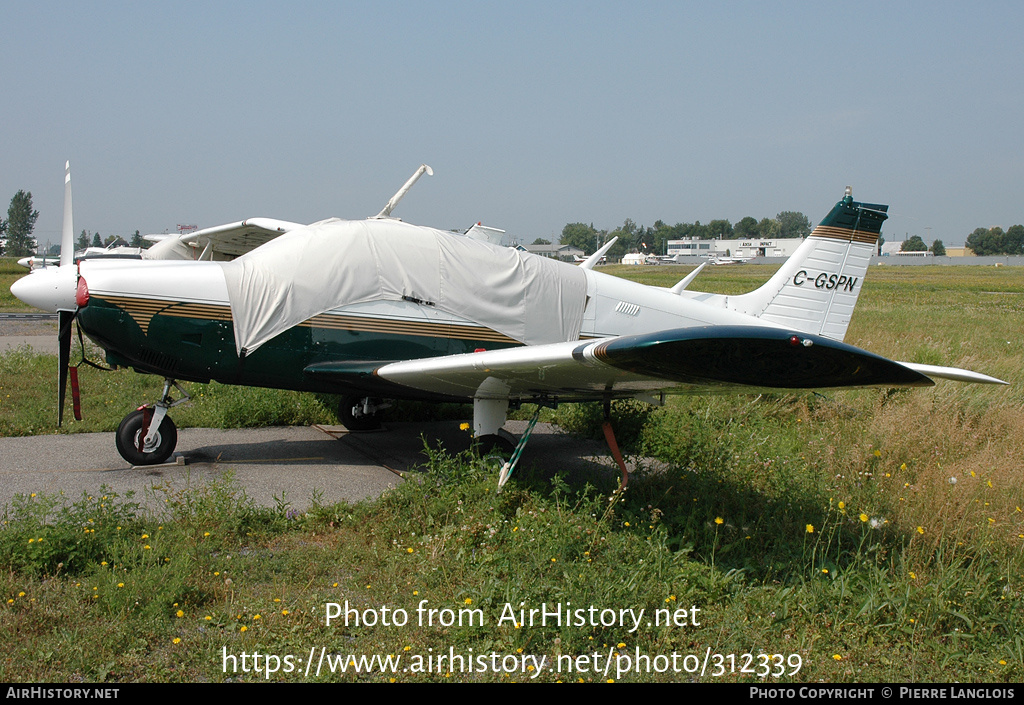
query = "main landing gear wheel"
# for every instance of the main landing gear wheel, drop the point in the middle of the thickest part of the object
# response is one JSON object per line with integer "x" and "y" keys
{"x": 501, "y": 443}
{"x": 353, "y": 413}
{"x": 130, "y": 436}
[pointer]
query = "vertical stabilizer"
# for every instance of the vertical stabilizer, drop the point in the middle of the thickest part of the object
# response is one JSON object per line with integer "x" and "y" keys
{"x": 816, "y": 290}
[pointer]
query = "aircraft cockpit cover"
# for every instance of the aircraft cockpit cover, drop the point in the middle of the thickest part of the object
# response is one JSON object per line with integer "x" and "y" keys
{"x": 336, "y": 263}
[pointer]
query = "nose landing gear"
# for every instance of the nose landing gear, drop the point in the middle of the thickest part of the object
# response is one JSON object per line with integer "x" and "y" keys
{"x": 147, "y": 436}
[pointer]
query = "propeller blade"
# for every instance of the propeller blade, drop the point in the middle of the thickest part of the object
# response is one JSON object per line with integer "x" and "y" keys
{"x": 65, "y": 318}
{"x": 67, "y": 240}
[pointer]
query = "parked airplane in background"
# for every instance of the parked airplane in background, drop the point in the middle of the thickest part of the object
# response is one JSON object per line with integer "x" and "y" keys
{"x": 377, "y": 308}
{"x": 32, "y": 263}
{"x": 728, "y": 260}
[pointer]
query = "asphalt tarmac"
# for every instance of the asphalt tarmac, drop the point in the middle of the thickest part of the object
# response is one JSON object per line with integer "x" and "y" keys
{"x": 271, "y": 465}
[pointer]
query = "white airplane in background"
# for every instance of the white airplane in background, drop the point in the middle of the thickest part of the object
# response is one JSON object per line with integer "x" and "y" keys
{"x": 377, "y": 308}
{"x": 33, "y": 263}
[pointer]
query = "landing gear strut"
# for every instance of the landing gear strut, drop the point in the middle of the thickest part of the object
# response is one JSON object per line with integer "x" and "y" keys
{"x": 361, "y": 413}
{"x": 147, "y": 436}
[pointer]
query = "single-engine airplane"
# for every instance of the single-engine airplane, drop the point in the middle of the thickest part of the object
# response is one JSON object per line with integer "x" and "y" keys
{"x": 377, "y": 308}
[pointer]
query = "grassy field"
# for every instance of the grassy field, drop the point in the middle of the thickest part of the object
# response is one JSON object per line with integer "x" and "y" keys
{"x": 863, "y": 536}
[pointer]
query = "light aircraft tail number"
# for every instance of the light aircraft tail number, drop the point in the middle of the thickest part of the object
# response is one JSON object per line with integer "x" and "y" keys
{"x": 826, "y": 281}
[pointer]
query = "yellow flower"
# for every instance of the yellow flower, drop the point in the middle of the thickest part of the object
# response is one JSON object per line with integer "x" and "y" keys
{"x": 864, "y": 517}
{"x": 719, "y": 520}
{"x": 469, "y": 601}
{"x": 284, "y": 612}
{"x": 626, "y": 523}
{"x": 903, "y": 466}
{"x": 120, "y": 585}
{"x": 842, "y": 505}
{"x": 244, "y": 628}
{"x": 145, "y": 536}
{"x": 255, "y": 617}
{"x": 208, "y": 618}
{"x": 409, "y": 549}
{"x": 810, "y": 528}
{"x": 920, "y": 529}
{"x": 878, "y": 454}
{"x": 913, "y": 576}
{"x": 179, "y": 614}
{"x": 176, "y": 640}
{"x": 837, "y": 657}
{"x": 463, "y": 426}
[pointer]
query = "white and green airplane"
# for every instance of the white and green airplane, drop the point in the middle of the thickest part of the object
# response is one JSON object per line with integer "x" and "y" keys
{"x": 378, "y": 309}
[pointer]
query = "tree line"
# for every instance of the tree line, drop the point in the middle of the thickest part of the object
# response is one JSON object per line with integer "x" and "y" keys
{"x": 21, "y": 221}
{"x": 17, "y": 230}
{"x": 654, "y": 239}
{"x": 996, "y": 241}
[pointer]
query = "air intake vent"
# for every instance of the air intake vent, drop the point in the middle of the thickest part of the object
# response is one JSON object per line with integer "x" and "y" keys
{"x": 158, "y": 360}
{"x": 628, "y": 309}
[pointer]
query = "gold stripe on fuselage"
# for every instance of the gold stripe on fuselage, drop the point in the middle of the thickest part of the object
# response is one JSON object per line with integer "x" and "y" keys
{"x": 143, "y": 310}
{"x": 830, "y": 232}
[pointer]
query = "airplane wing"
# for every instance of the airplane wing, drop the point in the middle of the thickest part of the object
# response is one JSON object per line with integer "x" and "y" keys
{"x": 221, "y": 242}
{"x": 686, "y": 360}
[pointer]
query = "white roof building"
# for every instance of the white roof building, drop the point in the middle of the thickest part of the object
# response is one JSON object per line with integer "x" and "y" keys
{"x": 745, "y": 248}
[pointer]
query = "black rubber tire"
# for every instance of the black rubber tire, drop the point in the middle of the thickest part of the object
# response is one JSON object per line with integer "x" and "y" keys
{"x": 357, "y": 423}
{"x": 494, "y": 444}
{"x": 127, "y": 440}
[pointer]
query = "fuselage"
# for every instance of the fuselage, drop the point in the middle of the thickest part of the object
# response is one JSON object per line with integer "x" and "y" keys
{"x": 175, "y": 319}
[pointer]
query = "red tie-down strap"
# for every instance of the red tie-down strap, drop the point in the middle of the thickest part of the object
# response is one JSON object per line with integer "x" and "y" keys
{"x": 76, "y": 396}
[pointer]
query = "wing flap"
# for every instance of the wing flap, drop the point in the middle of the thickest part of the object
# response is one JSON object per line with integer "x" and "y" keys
{"x": 686, "y": 360}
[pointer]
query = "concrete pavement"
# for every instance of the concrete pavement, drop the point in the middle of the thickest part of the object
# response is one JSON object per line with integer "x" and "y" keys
{"x": 270, "y": 464}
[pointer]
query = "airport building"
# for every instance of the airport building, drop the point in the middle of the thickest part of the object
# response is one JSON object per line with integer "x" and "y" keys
{"x": 745, "y": 249}
{"x": 566, "y": 253}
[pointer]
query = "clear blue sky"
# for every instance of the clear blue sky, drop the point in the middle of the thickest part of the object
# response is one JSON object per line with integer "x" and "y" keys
{"x": 531, "y": 114}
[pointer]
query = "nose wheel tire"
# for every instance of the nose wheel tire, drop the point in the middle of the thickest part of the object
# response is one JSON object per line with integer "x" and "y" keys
{"x": 130, "y": 435}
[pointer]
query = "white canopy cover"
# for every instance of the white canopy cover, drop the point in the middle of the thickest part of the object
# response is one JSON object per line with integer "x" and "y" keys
{"x": 336, "y": 263}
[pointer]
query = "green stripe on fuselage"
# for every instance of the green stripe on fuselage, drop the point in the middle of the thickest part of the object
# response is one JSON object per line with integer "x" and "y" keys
{"x": 193, "y": 343}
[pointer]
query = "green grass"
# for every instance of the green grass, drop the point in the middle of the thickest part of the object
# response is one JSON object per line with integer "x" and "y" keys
{"x": 11, "y": 271}
{"x": 868, "y": 535}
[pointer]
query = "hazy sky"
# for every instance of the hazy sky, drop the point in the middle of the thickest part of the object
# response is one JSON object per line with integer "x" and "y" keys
{"x": 531, "y": 114}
